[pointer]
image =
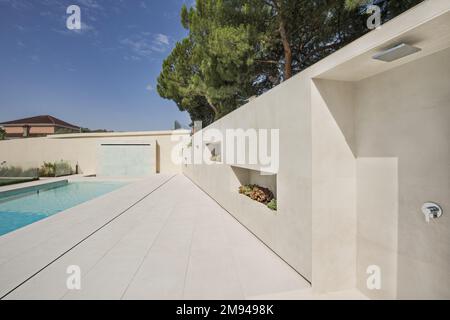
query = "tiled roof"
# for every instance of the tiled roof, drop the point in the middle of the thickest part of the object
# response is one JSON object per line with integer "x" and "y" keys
{"x": 47, "y": 120}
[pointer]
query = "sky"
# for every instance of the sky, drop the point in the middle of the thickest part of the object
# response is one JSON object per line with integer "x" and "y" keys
{"x": 103, "y": 76}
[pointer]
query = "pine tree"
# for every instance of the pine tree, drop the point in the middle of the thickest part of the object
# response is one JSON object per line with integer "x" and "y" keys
{"x": 237, "y": 49}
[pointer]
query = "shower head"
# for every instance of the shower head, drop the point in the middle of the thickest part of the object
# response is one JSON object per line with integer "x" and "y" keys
{"x": 397, "y": 52}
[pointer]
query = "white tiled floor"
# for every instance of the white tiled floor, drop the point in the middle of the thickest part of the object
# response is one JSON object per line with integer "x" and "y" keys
{"x": 177, "y": 243}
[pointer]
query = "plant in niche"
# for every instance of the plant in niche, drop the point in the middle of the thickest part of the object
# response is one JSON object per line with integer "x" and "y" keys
{"x": 260, "y": 194}
{"x": 272, "y": 204}
{"x": 216, "y": 158}
{"x": 246, "y": 189}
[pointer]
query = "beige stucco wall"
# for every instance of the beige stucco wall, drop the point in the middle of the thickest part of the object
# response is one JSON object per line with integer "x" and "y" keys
{"x": 42, "y": 130}
{"x": 333, "y": 186}
{"x": 82, "y": 149}
{"x": 403, "y": 146}
{"x": 380, "y": 149}
{"x": 33, "y": 130}
{"x": 363, "y": 145}
{"x": 288, "y": 231}
{"x": 14, "y": 130}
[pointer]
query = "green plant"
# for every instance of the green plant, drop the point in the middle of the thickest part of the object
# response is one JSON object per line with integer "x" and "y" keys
{"x": 272, "y": 204}
{"x": 55, "y": 169}
{"x": 246, "y": 189}
{"x": 47, "y": 170}
{"x": 216, "y": 158}
{"x": 2, "y": 134}
{"x": 63, "y": 168}
{"x": 257, "y": 193}
{"x": 14, "y": 171}
{"x": 261, "y": 194}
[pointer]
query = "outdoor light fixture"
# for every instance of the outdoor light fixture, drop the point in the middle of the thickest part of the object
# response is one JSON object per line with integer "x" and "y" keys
{"x": 397, "y": 52}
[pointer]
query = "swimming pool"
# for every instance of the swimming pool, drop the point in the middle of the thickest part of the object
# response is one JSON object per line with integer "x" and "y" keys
{"x": 19, "y": 210}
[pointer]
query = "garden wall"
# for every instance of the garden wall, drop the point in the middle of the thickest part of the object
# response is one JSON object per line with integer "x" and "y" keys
{"x": 82, "y": 149}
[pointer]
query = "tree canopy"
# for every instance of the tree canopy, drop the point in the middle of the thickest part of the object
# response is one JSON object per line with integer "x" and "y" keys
{"x": 237, "y": 49}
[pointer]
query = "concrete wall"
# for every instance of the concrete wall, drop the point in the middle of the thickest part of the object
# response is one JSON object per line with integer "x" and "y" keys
{"x": 119, "y": 159}
{"x": 287, "y": 231}
{"x": 380, "y": 149}
{"x": 363, "y": 145}
{"x": 333, "y": 186}
{"x": 403, "y": 146}
{"x": 83, "y": 149}
{"x": 14, "y": 130}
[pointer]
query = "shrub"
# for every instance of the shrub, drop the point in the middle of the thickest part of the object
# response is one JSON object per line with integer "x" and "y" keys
{"x": 47, "y": 170}
{"x": 261, "y": 194}
{"x": 246, "y": 189}
{"x": 257, "y": 193}
{"x": 63, "y": 168}
{"x": 56, "y": 169}
{"x": 272, "y": 204}
{"x": 13, "y": 171}
{"x": 215, "y": 158}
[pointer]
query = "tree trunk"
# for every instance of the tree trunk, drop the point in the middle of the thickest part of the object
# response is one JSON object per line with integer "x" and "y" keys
{"x": 214, "y": 108}
{"x": 285, "y": 41}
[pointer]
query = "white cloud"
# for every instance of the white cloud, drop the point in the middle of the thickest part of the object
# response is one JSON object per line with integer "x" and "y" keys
{"x": 85, "y": 29}
{"x": 131, "y": 58}
{"x": 145, "y": 44}
{"x": 149, "y": 88}
{"x": 93, "y": 4}
{"x": 17, "y": 4}
{"x": 162, "y": 39}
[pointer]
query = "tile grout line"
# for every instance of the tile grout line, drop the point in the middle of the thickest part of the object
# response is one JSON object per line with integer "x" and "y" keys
{"x": 189, "y": 260}
{"x": 236, "y": 265}
{"x": 259, "y": 239}
{"x": 84, "y": 239}
{"x": 53, "y": 234}
{"x": 146, "y": 255}
{"x": 103, "y": 255}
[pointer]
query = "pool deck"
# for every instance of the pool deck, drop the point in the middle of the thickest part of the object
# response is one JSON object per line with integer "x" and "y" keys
{"x": 157, "y": 238}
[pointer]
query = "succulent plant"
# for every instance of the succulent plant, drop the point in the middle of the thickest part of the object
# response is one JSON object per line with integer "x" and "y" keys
{"x": 272, "y": 204}
{"x": 261, "y": 194}
{"x": 246, "y": 189}
{"x": 257, "y": 193}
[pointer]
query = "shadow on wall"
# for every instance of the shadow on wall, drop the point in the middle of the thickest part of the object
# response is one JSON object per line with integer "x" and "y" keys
{"x": 158, "y": 158}
{"x": 375, "y": 183}
{"x": 339, "y": 99}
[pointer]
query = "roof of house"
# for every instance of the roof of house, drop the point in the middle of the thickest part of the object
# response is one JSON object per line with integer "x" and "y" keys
{"x": 41, "y": 120}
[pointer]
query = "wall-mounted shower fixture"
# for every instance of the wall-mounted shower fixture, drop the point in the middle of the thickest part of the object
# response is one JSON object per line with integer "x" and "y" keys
{"x": 397, "y": 52}
{"x": 431, "y": 210}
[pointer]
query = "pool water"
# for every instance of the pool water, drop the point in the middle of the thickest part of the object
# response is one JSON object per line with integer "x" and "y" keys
{"x": 19, "y": 211}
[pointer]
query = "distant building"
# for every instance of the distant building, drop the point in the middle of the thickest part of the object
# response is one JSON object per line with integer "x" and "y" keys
{"x": 38, "y": 126}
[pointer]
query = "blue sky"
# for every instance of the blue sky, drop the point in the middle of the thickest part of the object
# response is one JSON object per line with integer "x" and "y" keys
{"x": 102, "y": 77}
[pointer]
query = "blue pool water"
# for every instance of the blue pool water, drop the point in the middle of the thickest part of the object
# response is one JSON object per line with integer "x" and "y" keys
{"x": 19, "y": 211}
